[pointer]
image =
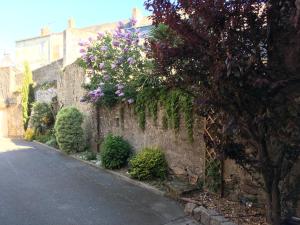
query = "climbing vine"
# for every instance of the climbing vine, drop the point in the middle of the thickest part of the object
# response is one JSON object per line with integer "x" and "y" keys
{"x": 187, "y": 108}
{"x": 213, "y": 174}
{"x": 173, "y": 102}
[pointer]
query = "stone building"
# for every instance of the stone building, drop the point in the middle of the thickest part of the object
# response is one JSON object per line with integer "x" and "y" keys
{"x": 11, "y": 124}
{"x": 49, "y": 47}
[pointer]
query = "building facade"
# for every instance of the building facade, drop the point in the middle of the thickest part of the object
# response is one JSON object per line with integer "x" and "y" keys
{"x": 50, "y": 47}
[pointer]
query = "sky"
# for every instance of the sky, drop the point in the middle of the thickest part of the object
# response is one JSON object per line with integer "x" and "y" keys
{"x": 21, "y": 19}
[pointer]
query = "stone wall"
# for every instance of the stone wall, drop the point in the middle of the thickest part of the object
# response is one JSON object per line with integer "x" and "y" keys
{"x": 47, "y": 73}
{"x": 45, "y": 95}
{"x": 184, "y": 158}
{"x": 15, "y": 117}
{"x": 69, "y": 92}
{"x": 10, "y": 104}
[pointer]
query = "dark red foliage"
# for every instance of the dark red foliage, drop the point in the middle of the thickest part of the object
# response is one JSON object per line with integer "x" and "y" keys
{"x": 241, "y": 60}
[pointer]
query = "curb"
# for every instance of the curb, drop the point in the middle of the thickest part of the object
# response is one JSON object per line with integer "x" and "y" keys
{"x": 121, "y": 176}
{"x": 206, "y": 216}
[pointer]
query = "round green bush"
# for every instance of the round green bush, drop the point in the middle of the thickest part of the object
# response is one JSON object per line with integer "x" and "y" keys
{"x": 68, "y": 131}
{"x": 115, "y": 152}
{"x": 150, "y": 163}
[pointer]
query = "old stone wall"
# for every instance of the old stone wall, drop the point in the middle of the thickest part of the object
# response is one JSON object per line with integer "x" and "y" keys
{"x": 184, "y": 158}
{"x": 48, "y": 73}
{"x": 69, "y": 92}
{"x": 10, "y": 104}
{"x": 46, "y": 95}
{"x": 15, "y": 117}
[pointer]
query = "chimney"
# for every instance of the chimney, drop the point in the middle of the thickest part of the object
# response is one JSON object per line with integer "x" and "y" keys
{"x": 45, "y": 31}
{"x": 137, "y": 15}
{"x": 71, "y": 23}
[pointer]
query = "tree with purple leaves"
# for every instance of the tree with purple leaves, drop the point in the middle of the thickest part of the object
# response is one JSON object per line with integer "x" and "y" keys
{"x": 240, "y": 59}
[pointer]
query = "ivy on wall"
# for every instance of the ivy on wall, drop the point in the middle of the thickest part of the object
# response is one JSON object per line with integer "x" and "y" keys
{"x": 174, "y": 104}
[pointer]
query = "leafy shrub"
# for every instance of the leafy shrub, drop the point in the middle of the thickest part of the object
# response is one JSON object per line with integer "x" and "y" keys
{"x": 88, "y": 155}
{"x": 43, "y": 138}
{"x": 52, "y": 142}
{"x": 68, "y": 131}
{"x": 29, "y": 134}
{"x": 115, "y": 152}
{"x": 213, "y": 180}
{"x": 42, "y": 117}
{"x": 148, "y": 164}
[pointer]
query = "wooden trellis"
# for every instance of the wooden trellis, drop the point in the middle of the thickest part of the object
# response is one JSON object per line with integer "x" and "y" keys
{"x": 212, "y": 161}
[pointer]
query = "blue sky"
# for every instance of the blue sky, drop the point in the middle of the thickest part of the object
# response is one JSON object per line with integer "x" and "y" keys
{"x": 20, "y": 19}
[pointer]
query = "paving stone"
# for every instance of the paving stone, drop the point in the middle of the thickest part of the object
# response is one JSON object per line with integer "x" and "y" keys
{"x": 217, "y": 220}
{"x": 183, "y": 221}
{"x": 189, "y": 207}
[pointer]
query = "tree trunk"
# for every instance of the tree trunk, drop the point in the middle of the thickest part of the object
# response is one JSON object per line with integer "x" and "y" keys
{"x": 273, "y": 205}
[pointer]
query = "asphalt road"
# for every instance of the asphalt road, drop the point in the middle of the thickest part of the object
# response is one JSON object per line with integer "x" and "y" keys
{"x": 39, "y": 186}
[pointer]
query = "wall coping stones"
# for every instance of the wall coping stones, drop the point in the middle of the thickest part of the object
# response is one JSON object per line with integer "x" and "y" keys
{"x": 206, "y": 216}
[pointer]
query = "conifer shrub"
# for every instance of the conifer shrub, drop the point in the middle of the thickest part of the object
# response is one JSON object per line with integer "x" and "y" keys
{"x": 115, "y": 152}
{"x": 148, "y": 164}
{"x": 27, "y": 94}
{"x": 68, "y": 131}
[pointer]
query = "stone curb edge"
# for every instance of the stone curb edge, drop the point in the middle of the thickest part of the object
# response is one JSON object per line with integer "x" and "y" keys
{"x": 205, "y": 216}
{"x": 123, "y": 177}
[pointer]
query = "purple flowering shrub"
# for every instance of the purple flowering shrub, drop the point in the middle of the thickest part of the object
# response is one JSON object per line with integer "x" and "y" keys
{"x": 115, "y": 64}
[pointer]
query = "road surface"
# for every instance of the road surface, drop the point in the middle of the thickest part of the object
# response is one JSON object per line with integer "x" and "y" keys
{"x": 39, "y": 186}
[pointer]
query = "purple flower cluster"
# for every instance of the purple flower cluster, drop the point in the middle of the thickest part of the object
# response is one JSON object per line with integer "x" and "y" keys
{"x": 131, "y": 60}
{"x": 120, "y": 91}
{"x": 106, "y": 77}
{"x": 83, "y": 43}
{"x": 95, "y": 95}
{"x": 101, "y": 66}
{"x": 100, "y": 35}
{"x": 104, "y": 48}
{"x": 116, "y": 43}
{"x": 130, "y": 101}
{"x": 133, "y": 21}
{"x": 109, "y": 58}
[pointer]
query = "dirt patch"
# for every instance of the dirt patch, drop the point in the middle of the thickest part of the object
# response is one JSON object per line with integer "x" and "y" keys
{"x": 237, "y": 212}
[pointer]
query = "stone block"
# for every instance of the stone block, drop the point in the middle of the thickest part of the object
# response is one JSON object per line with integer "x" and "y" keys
{"x": 189, "y": 207}
{"x": 197, "y": 212}
{"x": 206, "y": 216}
{"x": 227, "y": 223}
{"x": 218, "y": 220}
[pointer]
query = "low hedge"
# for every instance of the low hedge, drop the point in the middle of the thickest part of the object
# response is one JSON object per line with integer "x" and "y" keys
{"x": 115, "y": 152}
{"x": 149, "y": 163}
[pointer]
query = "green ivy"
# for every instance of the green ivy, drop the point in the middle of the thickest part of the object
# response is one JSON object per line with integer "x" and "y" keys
{"x": 187, "y": 108}
{"x": 174, "y": 102}
{"x": 147, "y": 99}
{"x": 213, "y": 181}
{"x": 172, "y": 108}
